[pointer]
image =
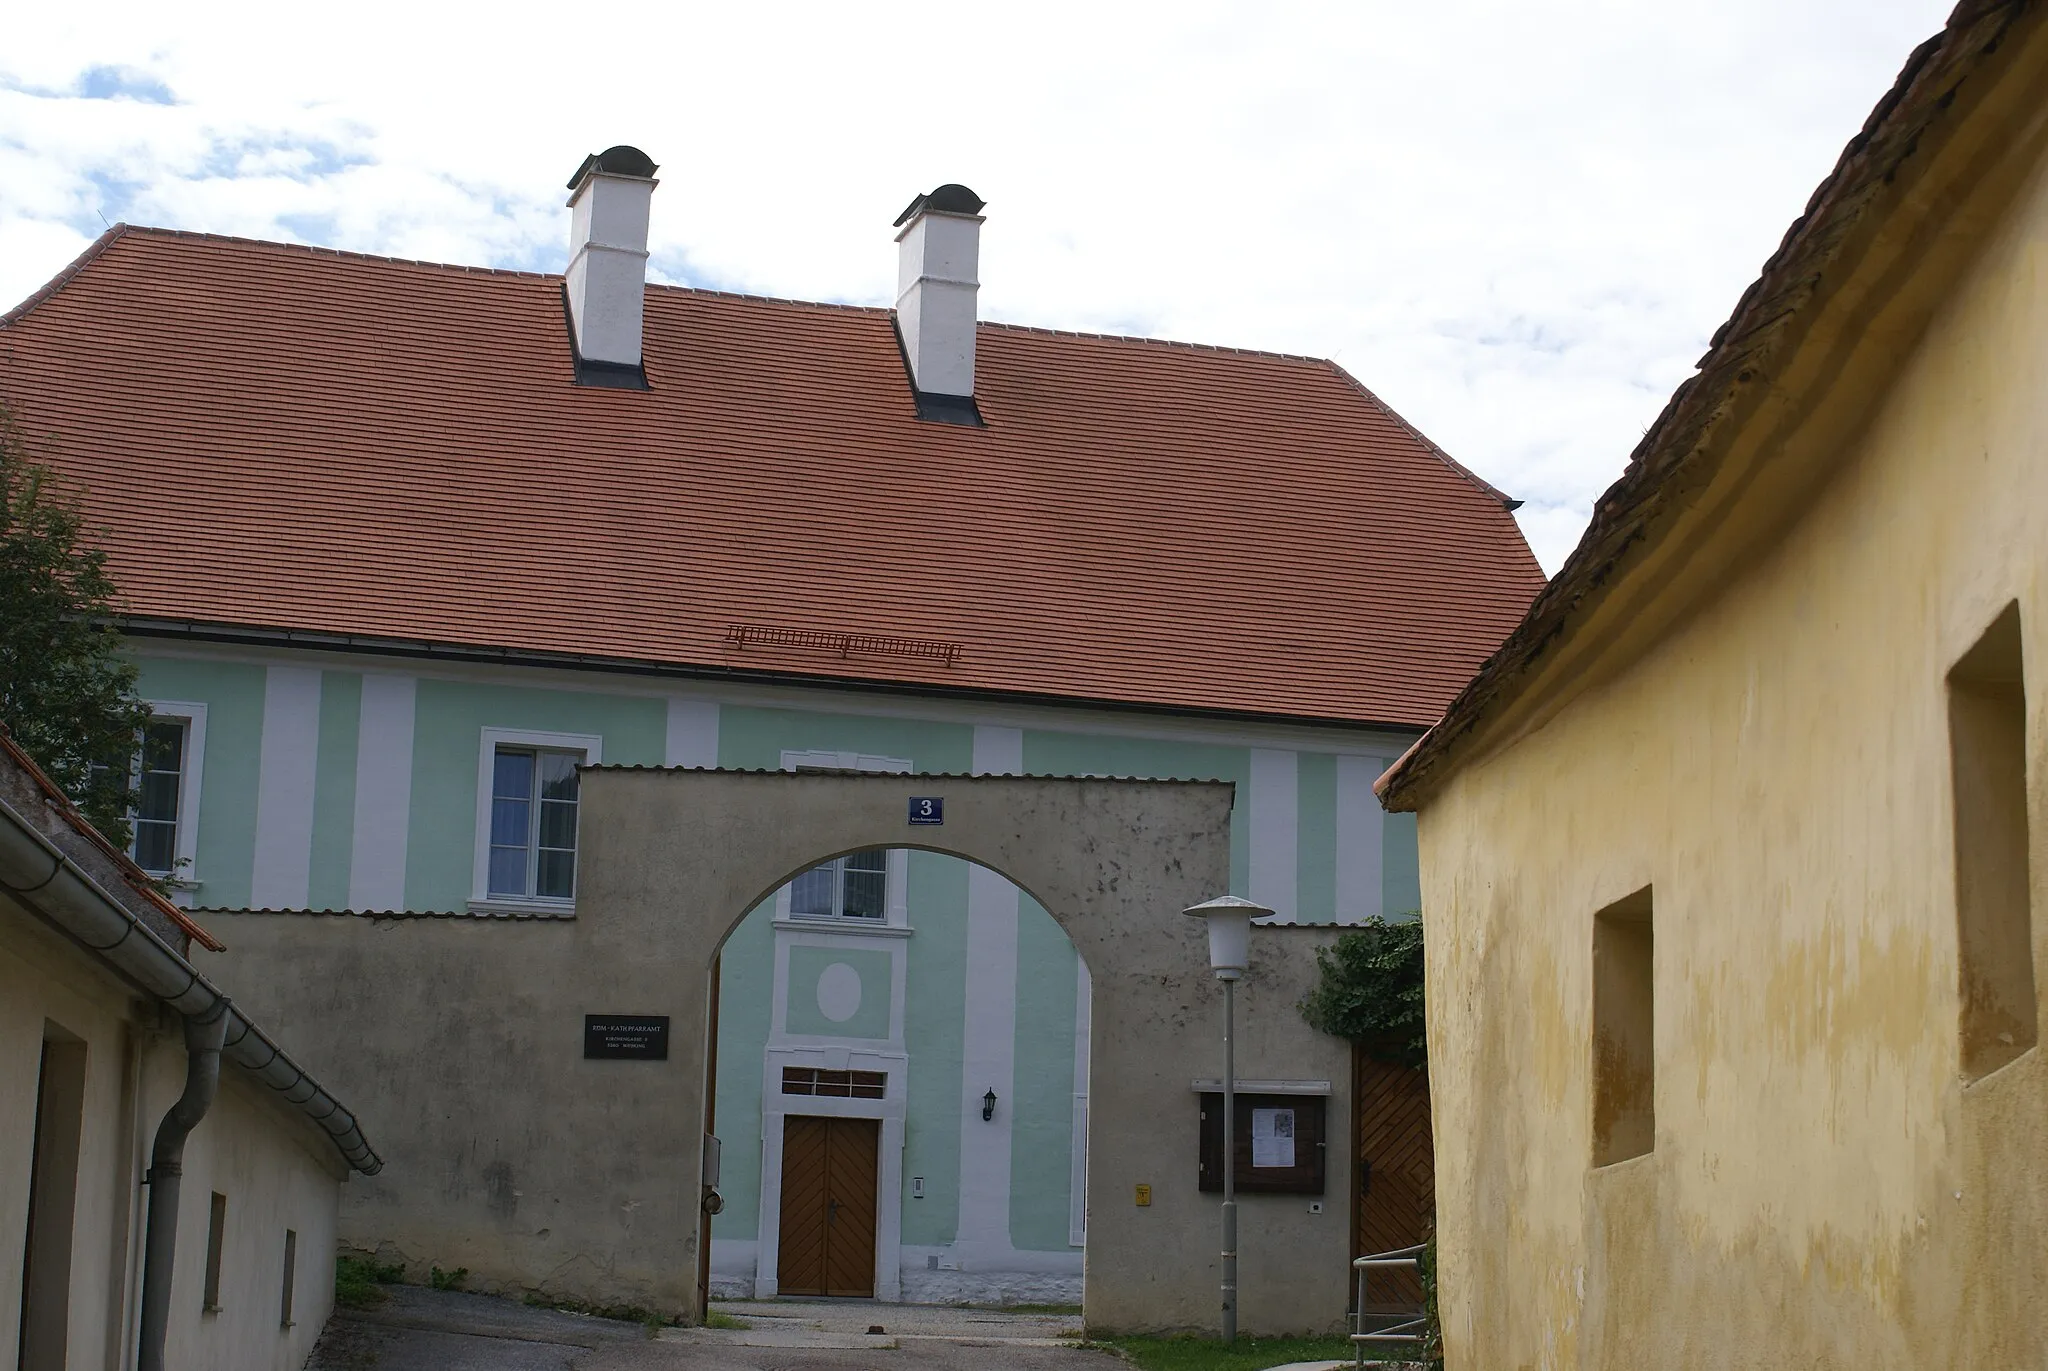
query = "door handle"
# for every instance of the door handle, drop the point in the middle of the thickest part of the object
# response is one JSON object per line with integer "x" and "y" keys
{"x": 831, "y": 1211}
{"x": 1365, "y": 1178}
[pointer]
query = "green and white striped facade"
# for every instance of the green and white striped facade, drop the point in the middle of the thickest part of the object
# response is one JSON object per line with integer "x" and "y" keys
{"x": 351, "y": 782}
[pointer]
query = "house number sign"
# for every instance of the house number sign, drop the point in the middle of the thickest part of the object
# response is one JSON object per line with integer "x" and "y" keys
{"x": 927, "y": 809}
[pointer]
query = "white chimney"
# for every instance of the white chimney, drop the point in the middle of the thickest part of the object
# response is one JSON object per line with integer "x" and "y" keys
{"x": 609, "y": 197}
{"x": 939, "y": 258}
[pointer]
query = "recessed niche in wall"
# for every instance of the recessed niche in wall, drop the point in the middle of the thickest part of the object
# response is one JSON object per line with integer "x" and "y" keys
{"x": 1987, "y": 722}
{"x": 1624, "y": 1030}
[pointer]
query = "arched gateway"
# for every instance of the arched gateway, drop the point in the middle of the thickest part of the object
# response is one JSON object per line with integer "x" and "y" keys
{"x": 512, "y": 1152}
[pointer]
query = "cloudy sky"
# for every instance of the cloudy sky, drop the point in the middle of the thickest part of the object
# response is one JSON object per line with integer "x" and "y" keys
{"x": 1517, "y": 221}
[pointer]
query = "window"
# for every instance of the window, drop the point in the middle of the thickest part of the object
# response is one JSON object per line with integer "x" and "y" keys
{"x": 165, "y": 774}
{"x": 216, "y": 1236}
{"x": 533, "y": 823}
{"x": 851, "y": 887}
{"x": 528, "y": 806}
{"x": 160, "y": 772}
{"x": 857, "y": 1085}
{"x": 1624, "y": 1031}
{"x": 1987, "y": 721}
{"x": 291, "y": 1272}
{"x": 866, "y": 888}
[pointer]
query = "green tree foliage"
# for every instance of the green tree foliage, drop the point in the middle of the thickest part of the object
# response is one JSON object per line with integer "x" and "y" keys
{"x": 1371, "y": 991}
{"x": 66, "y": 694}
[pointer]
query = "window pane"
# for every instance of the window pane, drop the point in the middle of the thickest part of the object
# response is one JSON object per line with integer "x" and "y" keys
{"x": 557, "y": 824}
{"x": 864, "y": 893}
{"x": 512, "y": 776}
{"x": 155, "y": 845}
{"x": 874, "y": 859}
{"x": 163, "y": 746}
{"x": 558, "y": 775}
{"x": 159, "y": 797}
{"x": 810, "y": 894}
{"x": 557, "y": 875}
{"x": 508, "y": 871}
{"x": 509, "y": 820}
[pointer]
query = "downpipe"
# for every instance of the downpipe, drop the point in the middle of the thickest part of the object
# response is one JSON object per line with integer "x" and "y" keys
{"x": 203, "y": 1040}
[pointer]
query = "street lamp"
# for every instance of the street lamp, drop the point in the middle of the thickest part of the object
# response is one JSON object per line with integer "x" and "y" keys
{"x": 1230, "y": 935}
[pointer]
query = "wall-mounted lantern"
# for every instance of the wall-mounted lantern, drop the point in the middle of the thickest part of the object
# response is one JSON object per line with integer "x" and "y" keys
{"x": 988, "y": 1106}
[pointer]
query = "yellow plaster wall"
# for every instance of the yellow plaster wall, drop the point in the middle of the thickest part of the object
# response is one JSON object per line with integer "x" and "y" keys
{"x": 1824, "y": 1190}
{"x": 276, "y": 1169}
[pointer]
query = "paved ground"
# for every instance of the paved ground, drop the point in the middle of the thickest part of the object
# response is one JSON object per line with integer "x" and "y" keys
{"x": 426, "y": 1330}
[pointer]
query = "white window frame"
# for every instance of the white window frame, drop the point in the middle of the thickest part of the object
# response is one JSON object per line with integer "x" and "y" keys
{"x": 896, "y": 877}
{"x": 184, "y": 878}
{"x": 481, "y": 901}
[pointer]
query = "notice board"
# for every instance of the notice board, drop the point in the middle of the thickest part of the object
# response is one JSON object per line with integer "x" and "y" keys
{"x": 1280, "y": 1148}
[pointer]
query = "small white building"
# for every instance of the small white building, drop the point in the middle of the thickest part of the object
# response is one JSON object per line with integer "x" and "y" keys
{"x": 169, "y": 1180}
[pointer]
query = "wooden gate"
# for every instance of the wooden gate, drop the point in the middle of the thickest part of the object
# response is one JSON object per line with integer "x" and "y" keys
{"x": 1395, "y": 1180}
{"x": 828, "y": 1206}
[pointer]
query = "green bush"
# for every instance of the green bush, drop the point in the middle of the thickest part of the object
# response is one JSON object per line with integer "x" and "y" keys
{"x": 356, "y": 1280}
{"x": 1370, "y": 991}
{"x": 448, "y": 1280}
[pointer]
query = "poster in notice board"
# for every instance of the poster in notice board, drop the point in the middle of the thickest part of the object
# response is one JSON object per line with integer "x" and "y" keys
{"x": 1272, "y": 1138}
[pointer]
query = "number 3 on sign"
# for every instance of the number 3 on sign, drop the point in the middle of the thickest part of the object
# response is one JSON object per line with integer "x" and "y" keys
{"x": 927, "y": 809}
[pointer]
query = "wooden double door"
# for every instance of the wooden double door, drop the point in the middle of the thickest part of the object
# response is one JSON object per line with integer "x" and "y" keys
{"x": 829, "y": 1169}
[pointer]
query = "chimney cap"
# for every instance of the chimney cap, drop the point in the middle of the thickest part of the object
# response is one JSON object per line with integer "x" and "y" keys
{"x": 951, "y": 198}
{"x": 622, "y": 160}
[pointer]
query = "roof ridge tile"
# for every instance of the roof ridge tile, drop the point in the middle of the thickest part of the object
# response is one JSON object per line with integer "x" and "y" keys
{"x": 106, "y": 239}
{"x": 1176, "y": 343}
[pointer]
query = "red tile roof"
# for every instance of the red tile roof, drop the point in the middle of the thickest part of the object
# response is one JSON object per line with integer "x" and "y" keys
{"x": 283, "y": 437}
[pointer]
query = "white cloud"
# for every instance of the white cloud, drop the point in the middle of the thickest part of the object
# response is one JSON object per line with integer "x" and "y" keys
{"x": 1518, "y": 223}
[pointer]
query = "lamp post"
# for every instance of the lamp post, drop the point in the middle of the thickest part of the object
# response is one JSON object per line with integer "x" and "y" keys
{"x": 1230, "y": 927}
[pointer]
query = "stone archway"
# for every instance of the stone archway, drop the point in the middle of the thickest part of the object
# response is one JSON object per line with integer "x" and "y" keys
{"x": 512, "y": 1152}
{"x": 1114, "y": 861}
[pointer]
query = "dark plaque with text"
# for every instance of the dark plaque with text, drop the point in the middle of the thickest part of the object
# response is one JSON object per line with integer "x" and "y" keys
{"x": 626, "y": 1037}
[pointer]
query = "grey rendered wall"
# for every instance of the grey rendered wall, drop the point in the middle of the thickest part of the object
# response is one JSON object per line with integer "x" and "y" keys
{"x": 511, "y": 1155}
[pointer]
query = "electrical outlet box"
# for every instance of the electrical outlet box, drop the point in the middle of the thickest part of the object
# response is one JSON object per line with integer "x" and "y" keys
{"x": 1315, "y": 1206}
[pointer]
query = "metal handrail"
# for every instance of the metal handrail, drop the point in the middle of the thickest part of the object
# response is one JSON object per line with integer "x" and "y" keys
{"x": 1408, "y": 1331}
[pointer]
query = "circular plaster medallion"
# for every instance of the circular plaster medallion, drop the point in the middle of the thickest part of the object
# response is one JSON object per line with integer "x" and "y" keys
{"x": 839, "y": 992}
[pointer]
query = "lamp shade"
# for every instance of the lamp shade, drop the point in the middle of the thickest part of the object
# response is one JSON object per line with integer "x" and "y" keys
{"x": 1230, "y": 927}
